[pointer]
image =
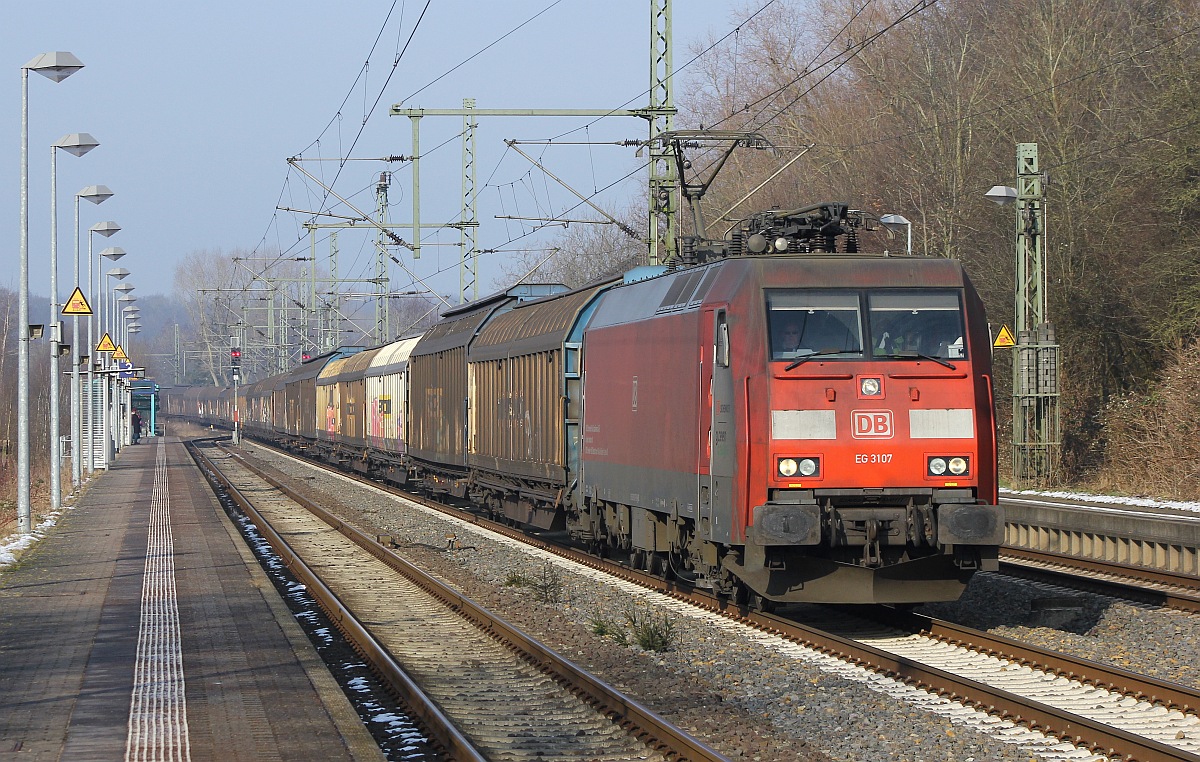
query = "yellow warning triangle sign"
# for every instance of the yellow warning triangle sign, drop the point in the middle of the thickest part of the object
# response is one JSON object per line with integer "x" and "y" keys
{"x": 120, "y": 354}
{"x": 77, "y": 304}
{"x": 106, "y": 344}
{"x": 1005, "y": 339}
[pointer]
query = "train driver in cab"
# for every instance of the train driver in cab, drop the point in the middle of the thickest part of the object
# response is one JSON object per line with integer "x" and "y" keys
{"x": 930, "y": 333}
{"x": 812, "y": 332}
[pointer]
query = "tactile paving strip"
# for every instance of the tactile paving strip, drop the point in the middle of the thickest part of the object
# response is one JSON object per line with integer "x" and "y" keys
{"x": 158, "y": 727}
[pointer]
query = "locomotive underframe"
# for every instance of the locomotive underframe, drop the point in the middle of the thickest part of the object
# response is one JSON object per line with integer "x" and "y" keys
{"x": 850, "y": 546}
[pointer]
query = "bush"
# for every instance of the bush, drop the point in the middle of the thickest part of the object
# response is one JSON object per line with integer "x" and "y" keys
{"x": 644, "y": 630}
{"x": 1151, "y": 437}
{"x": 548, "y": 589}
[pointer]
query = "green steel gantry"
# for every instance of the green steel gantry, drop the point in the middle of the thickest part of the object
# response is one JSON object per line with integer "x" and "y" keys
{"x": 664, "y": 185}
{"x": 1036, "y": 435}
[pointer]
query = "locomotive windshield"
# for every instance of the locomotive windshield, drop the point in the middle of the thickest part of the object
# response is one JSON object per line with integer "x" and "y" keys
{"x": 927, "y": 323}
{"x": 900, "y": 324}
{"x": 814, "y": 322}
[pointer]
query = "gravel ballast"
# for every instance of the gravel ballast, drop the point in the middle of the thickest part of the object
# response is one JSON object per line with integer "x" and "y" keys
{"x": 749, "y": 694}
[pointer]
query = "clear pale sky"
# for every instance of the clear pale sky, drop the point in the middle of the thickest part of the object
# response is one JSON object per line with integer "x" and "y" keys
{"x": 197, "y": 106}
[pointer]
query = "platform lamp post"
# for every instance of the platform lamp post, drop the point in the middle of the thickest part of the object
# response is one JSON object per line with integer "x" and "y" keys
{"x": 97, "y": 194}
{"x": 894, "y": 223}
{"x": 55, "y": 66}
{"x": 76, "y": 144}
{"x": 111, "y": 253}
{"x": 135, "y": 327}
{"x": 122, "y": 396}
{"x": 96, "y": 411}
{"x": 132, "y": 314}
{"x": 124, "y": 300}
{"x": 132, "y": 326}
{"x": 114, "y": 274}
{"x": 110, "y": 306}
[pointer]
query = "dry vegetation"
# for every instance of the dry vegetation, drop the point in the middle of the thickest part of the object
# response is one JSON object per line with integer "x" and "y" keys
{"x": 39, "y": 416}
{"x": 917, "y": 108}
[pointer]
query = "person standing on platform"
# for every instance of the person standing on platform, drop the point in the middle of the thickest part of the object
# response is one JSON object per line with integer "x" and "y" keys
{"x": 135, "y": 426}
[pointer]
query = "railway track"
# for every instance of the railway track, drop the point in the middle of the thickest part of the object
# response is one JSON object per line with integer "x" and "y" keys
{"x": 1112, "y": 712}
{"x": 482, "y": 688}
{"x": 1138, "y": 583}
{"x": 1148, "y": 553}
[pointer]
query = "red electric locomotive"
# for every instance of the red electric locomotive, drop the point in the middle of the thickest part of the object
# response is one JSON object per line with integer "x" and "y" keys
{"x": 800, "y": 425}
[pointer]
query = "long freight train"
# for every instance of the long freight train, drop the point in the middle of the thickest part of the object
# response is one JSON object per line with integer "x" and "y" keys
{"x": 779, "y": 422}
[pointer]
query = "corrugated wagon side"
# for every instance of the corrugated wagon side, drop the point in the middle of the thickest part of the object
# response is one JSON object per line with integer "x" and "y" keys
{"x": 522, "y": 425}
{"x": 438, "y": 396}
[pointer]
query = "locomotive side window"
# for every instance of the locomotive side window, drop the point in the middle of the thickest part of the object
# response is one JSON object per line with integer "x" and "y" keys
{"x": 722, "y": 347}
{"x": 803, "y": 323}
{"x": 928, "y": 323}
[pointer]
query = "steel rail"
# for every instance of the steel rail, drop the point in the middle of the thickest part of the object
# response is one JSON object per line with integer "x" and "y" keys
{"x": 1111, "y": 678}
{"x": 628, "y": 713}
{"x": 1178, "y": 591}
{"x": 423, "y": 708}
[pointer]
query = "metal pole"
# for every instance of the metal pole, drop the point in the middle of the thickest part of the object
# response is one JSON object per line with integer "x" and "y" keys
{"x": 90, "y": 398}
{"x": 109, "y": 380}
{"x": 236, "y": 413}
{"x": 55, "y": 327}
{"x": 76, "y": 430}
{"x": 416, "y": 185}
{"x": 105, "y": 415}
{"x": 24, "y": 523}
{"x": 1036, "y": 430}
{"x": 467, "y": 234}
{"x": 664, "y": 185}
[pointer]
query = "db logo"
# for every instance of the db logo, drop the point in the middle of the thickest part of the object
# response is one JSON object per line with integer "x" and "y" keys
{"x": 872, "y": 424}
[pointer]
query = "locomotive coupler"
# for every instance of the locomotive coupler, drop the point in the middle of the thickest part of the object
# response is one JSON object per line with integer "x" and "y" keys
{"x": 872, "y": 556}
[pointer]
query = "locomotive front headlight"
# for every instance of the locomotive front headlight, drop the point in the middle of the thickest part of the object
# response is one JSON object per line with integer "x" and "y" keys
{"x": 870, "y": 387}
{"x": 787, "y": 467}
{"x": 937, "y": 466}
{"x": 958, "y": 466}
{"x": 809, "y": 467}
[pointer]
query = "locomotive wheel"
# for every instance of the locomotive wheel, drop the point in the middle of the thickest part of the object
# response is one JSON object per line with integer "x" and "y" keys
{"x": 741, "y": 594}
{"x": 637, "y": 559}
{"x": 761, "y": 604}
{"x": 656, "y": 566}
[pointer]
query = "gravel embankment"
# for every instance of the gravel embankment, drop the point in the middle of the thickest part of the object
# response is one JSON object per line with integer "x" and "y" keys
{"x": 750, "y": 695}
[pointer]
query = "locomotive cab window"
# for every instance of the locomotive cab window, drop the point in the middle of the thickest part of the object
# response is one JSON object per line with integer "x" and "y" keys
{"x": 916, "y": 323}
{"x": 804, "y": 323}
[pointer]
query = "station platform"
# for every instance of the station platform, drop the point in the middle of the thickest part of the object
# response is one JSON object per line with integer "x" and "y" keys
{"x": 141, "y": 627}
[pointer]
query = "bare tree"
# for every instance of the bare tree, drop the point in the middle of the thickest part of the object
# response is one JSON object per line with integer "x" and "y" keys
{"x": 916, "y": 107}
{"x": 583, "y": 253}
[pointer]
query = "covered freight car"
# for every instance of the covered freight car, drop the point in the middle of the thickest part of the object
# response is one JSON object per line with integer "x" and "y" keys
{"x": 524, "y": 377}
{"x": 439, "y": 389}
